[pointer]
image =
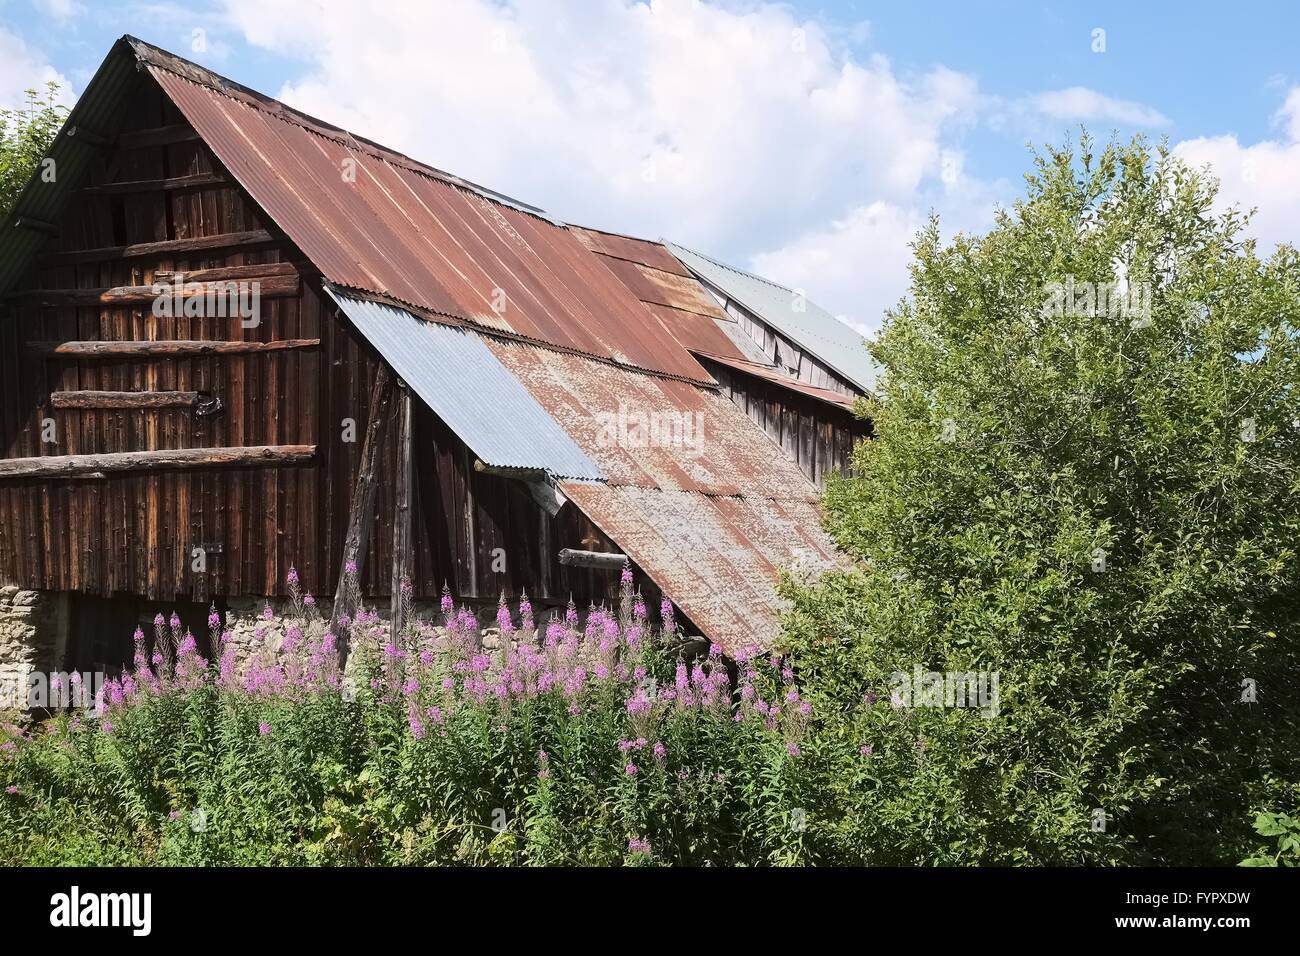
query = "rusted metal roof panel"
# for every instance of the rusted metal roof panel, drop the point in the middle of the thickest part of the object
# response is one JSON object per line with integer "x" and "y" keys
{"x": 717, "y": 559}
{"x": 641, "y": 251}
{"x": 650, "y": 432}
{"x": 774, "y": 375}
{"x": 466, "y": 386}
{"x": 371, "y": 221}
{"x": 665, "y": 288}
{"x": 696, "y": 333}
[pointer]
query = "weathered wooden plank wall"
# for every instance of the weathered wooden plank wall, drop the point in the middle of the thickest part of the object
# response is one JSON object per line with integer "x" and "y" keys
{"x": 817, "y": 435}
{"x": 128, "y": 533}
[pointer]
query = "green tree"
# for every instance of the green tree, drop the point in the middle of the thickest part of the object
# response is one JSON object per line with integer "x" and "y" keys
{"x": 1084, "y": 479}
{"x": 25, "y": 137}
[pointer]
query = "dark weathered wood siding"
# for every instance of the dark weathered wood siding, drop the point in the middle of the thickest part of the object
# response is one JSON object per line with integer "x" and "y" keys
{"x": 817, "y": 435}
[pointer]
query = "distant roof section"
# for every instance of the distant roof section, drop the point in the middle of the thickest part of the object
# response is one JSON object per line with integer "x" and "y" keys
{"x": 813, "y": 328}
{"x": 371, "y": 219}
{"x": 458, "y": 377}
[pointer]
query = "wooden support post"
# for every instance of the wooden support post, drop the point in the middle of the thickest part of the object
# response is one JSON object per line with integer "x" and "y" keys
{"x": 361, "y": 512}
{"x": 402, "y": 511}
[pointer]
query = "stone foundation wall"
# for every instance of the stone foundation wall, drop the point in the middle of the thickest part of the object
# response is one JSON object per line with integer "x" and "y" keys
{"x": 33, "y": 634}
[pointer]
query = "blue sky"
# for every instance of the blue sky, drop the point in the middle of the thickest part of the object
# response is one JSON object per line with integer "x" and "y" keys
{"x": 803, "y": 140}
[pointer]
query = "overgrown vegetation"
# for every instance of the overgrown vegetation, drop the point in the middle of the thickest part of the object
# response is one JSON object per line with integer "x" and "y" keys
{"x": 566, "y": 746}
{"x": 25, "y": 137}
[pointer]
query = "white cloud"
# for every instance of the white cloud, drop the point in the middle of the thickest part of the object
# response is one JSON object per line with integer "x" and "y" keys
{"x": 61, "y": 11}
{"x": 728, "y": 128}
{"x": 1264, "y": 175}
{"x": 21, "y": 69}
{"x": 1078, "y": 103}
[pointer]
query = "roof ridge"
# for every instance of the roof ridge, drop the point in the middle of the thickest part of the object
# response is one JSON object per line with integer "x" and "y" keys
{"x": 730, "y": 268}
{"x": 159, "y": 58}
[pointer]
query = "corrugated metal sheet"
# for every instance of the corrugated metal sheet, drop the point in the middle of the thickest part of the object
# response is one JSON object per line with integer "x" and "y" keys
{"x": 717, "y": 559}
{"x": 465, "y": 385}
{"x": 774, "y": 375}
{"x": 812, "y": 328}
{"x": 702, "y": 442}
{"x": 404, "y": 231}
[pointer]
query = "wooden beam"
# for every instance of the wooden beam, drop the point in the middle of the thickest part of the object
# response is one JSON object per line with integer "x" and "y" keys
{"x": 157, "y": 136}
{"x": 72, "y": 466}
{"x": 89, "y": 137}
{"x": 156, "y": 185}
{"x": 36, "y": 225}
{"x": 361, "y": 513}
{"x": 262, "y": 271}
{"x": 402, "y": 512}
{"x": 166, "y": 247}
{"x": 86, "y": 398}
{"x": 111, "y": 350}
{"x": 607, "y": 560}
{"x": 272, "y": 287}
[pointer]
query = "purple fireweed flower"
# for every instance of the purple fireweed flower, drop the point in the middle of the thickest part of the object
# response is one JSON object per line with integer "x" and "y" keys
{"x": 351, "y": 567}
{"x": 214, "y": 620}
{"x": 292, "y": 577}
{"x": 869, "y": 698}
{"x": 449, "y": 683}
{"x": 264, "y": 728}
{"x": 106, "y": 726}
{"x": 174, "y": 815}
{"x": 406, "y": 588}
{"x": 638, "y": 609}
{"x": 11, "y": 789}
{"x": 660, "y": 751}
{"x": 571, "y": 614}
{"x": 446, "y": 604}
{"x": 792, "y": 748}
{"x": 417, "y": 726}
{"x": 411, "y": 687}
{"x": 309, "y": 601}
{"x": 175, "y": 621}
{"x": 638, "y": 846}
{"x": 626, "y": 576}
{"x": 666, "y": 615}
{"x": 866, "y": 750}
{"x": 267, "y": 613}
{"x": 504, "y": 622}
{"x": 630, "y": 770}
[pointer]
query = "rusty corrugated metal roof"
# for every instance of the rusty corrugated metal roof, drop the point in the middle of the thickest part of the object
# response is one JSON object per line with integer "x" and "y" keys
{"x": 717, "y": 558}
{"x": 774, "y": 375}
{"x": 710, "y": 508}
{"x": 652, "y": 432}
{"x": 373, "y": 221}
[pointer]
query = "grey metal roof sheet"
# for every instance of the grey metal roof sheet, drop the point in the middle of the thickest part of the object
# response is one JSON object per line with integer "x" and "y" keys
{"x": 460, "y": 379}
{"x": 813, "y": 328}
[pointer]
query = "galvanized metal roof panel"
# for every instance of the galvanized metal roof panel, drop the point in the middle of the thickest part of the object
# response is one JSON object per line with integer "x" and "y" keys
{"x": 717, "y": 559}
{"x": 465, "y": 385}
{"x": 652, "y": 432}
{"x": 804, "y": 322}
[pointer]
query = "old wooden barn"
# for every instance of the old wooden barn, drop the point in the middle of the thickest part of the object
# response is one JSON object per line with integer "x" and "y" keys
{"x": 238, "y": 340}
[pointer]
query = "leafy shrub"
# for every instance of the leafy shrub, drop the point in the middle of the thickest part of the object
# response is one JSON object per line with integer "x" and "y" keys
{"x": 1096, "y": 503}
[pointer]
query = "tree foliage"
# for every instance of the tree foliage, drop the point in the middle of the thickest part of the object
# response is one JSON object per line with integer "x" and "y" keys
{"x": 25, "y": 137}
{"x": 1097, "y": 503}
